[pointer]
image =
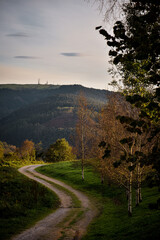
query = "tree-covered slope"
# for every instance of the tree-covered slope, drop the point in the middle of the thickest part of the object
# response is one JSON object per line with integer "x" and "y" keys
{"x": 14, "y": 96}
{"x": 42, "y": 112}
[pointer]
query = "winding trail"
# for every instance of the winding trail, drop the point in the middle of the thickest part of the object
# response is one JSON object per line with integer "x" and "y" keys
{"x": 64, "y": 223}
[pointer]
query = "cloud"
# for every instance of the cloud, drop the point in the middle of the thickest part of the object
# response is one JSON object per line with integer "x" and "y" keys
{"x": 17, "y": 35}
{"x": 71, "y": 54}
{"x": 26, "y": 57}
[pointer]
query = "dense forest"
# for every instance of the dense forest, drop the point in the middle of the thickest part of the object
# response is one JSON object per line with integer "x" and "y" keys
{"x": 42, "y": 112}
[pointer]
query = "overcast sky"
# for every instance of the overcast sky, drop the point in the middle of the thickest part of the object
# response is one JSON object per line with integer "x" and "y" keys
{"x": 54, "y": 41}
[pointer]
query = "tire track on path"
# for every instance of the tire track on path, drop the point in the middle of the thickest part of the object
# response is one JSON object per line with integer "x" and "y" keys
{"x": 54, "y": 226}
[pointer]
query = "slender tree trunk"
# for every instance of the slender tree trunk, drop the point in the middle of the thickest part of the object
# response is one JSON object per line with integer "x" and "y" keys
{"x": 102, "y": 178}
{"x": 101, "y": 171}
{"x": 139, "y": 173}
{"x": 130, "y": 195}
{"x": 140, "y": 189}
{"x": 82, "y": 160}
{"x": 138, "y": 186}
{"x": 83, "y": 169}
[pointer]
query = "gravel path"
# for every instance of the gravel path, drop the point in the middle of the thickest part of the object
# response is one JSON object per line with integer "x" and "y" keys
{"x": 63, "y": 223}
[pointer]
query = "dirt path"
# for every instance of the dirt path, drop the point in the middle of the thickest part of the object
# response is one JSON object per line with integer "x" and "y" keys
{"x": 66, "y": 222}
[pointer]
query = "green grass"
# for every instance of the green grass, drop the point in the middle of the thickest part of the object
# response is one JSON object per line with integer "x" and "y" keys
{"x": 22, "y": 202}
{"x": 77, "y": 217}
{"x": 16, "y": 162}
{"x": 113, "y": 223}
{"x": 76, "y": 203}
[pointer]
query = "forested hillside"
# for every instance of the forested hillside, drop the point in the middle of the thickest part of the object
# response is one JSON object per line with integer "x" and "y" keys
{"x": 42, "y": 112}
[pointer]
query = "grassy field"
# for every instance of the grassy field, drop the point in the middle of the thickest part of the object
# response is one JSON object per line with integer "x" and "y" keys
{"x": 113, "y": 222}
{"x": 22, "y": 202}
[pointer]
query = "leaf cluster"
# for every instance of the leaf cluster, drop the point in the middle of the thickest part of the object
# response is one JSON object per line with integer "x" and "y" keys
{"x": 59, "y": 151}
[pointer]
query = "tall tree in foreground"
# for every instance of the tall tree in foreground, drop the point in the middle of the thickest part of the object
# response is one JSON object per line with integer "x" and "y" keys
{"x": 120, "y": 159}
{"x": 135, "y": 54}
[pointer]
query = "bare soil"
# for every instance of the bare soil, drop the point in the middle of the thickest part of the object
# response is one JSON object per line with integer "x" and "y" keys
{"x": 64, "y": 223}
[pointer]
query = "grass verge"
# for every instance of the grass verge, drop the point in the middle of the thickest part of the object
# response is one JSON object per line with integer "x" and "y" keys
{"x": 22, "y": 202}
{"x": 113, "y": 223}
{"x": 76, "y": 203}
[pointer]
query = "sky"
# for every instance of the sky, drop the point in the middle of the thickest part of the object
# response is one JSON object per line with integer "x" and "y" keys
{"x": 52, "y": 41}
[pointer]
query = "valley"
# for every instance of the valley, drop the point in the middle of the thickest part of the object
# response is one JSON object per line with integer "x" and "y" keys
{"x": 43, "y": 112}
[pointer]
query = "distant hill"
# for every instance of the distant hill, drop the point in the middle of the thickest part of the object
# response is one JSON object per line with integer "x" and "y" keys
{"x": 42, "y": 112}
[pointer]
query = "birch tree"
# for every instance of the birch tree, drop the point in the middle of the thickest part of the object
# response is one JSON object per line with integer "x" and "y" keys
{"x": 134, "y": 50}
{"x": 84, "y": 127}
{"x": 121, "y": 158}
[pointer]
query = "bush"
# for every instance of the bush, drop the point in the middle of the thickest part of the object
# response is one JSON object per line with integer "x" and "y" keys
{"x": 59, "y": 151}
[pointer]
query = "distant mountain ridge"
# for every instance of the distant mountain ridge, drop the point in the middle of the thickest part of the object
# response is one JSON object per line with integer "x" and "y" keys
{"x": 42, "y": 112}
